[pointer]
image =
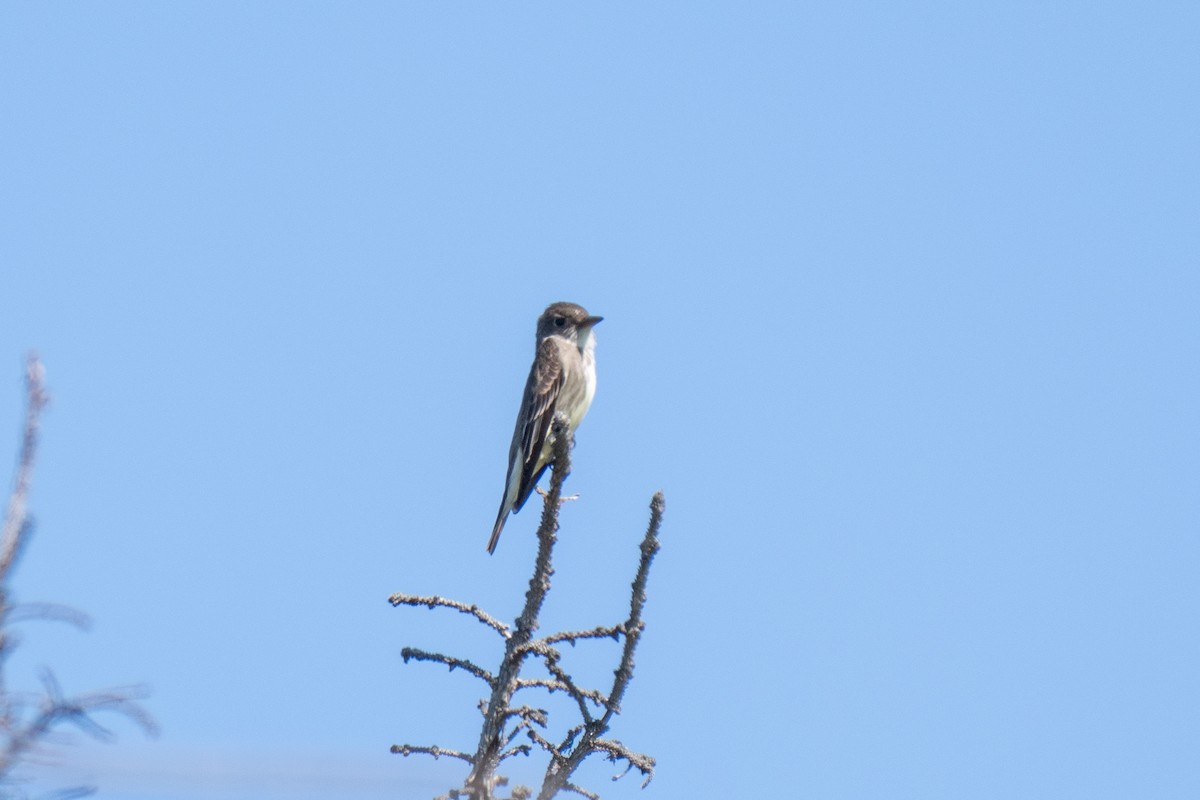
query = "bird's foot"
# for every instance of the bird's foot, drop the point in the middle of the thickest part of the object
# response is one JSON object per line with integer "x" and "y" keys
{"x": 566, "y": 498}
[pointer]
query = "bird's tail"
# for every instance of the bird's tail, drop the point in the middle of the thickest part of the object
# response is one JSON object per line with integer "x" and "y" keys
{"x": 500, "y": 519}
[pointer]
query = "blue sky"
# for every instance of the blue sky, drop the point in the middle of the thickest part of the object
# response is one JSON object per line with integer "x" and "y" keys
{"x": 900, "y": 312}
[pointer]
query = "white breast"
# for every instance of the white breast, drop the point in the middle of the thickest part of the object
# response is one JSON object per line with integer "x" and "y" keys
{"x": 587, "y": 346}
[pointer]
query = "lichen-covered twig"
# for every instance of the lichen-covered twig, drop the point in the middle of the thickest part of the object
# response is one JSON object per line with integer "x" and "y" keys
{"x": 416, "y": 654}
{"x": 599, "y": 632}
{"x": 435, "y": 751}
{"x": 570, "y": 787}
{"x": 551, "y": 685}
{"x": 617, "y": 751}
{"x": 433, "y": 601}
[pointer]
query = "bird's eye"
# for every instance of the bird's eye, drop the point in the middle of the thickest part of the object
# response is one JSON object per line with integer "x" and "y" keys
{"x": 560, "y": 321}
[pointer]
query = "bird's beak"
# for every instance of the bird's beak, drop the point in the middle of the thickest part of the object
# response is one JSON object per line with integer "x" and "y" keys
{"x": 590, "y": 321}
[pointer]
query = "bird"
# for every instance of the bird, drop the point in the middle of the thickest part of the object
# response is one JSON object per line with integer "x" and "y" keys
{"x": 562, "y": 378}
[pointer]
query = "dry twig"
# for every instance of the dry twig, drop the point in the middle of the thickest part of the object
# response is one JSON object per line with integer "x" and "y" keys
{"x": 400, "y": 599}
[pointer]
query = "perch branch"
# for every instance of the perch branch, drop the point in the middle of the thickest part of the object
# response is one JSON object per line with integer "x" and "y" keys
{"x": 487, "y": 756}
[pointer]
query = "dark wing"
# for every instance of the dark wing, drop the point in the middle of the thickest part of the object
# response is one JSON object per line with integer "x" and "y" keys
{"x": 533, "y": 426}
{"x": 546, "y": 380}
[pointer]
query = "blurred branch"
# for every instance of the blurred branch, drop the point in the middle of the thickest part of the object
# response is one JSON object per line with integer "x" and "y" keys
{"x": 502, "y": 721}
{"x": 16, "y": 520}
{"x": 26, "y": 721}
{"x": 49, "y": 612}
{"x": 54, "y": 708}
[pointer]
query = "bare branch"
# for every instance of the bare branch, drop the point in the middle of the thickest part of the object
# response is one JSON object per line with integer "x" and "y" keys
{"x": 616, "y": 751}
{"x": 599, "y": 632}
{"x": 522, "y": 724}
{"x": 576, "y": 693}
{"x": 528, "y": 716}
{"x": 53, "y": 612}
{"x": 559, "y": 774}
{"x": 503, "y": 722}
{"x": 634, "y": 625}
{"x": 551, "y": 657}
{"x": 415, "y": 654}
{"x": 434, "y": 601}
{"x": 487, "y": 755}
{"x": 519, "y": 750}
{"x": 435, "y": 751}
{"x": 569, "y": 739}
{"x": 552, "y": 686}
{"x": 544, "y": 743}
{"x": 570, "y": 787}
{"x": 56, "y": 709}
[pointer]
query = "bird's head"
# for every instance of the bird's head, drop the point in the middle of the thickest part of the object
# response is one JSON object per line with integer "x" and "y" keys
{"x": 568, "y": 320}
